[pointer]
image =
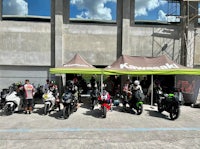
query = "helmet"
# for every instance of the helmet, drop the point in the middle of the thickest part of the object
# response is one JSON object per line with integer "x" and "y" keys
{"x": 52, "y": 82}
{"x": 157, "y": 82}
{"x": 136, "y": 82}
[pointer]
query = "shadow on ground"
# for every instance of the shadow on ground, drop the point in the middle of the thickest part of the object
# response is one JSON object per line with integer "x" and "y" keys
{"x": 155, "y": 113}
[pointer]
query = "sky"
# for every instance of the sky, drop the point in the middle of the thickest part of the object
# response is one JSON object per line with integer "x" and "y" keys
{"x": 155, "y": 10}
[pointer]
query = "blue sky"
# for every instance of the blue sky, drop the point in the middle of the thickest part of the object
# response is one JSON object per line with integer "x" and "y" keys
{"x": 89, "y": 9}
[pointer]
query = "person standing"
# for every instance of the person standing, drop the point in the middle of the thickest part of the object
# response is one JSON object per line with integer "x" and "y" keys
{"x": 46, "y": 86}
{"x": 29, "y": 93}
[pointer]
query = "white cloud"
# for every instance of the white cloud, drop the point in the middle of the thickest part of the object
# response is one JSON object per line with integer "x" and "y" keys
{"x": 15, "y": 7}
{"x": 93, "y": 9}
{"x": 143, "y": 6}
{"x": 162, "y": 17}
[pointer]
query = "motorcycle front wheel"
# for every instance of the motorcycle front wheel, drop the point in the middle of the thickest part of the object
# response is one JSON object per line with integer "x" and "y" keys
{"x": 174, "y": 112}
{"x": 7, "y": 110}
{"x": 160, "y": 107}
{"x": 66, "y": 112}
{"x": 104, "y": 112}
{"x": 46, "y": 109}
{"x": 139, "y": 109}
{"x": 93, "y": 104}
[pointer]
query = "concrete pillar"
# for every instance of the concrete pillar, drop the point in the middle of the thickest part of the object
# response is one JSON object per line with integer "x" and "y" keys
{"x": 126, "y": 27}
{"x": 119, "y": 27}
{"x": 56, "y": 39}
{"x": 192, "y": 22}
{"x": 56, "y": 33}
{"x": 52, "y": 33}
{"x": 1, "y": 9}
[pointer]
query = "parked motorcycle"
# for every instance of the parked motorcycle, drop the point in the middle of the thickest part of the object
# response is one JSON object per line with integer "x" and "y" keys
{"x": 38, "y": 94}
{"x": 70, "y": 103}
{"x": 13, "y": 101}
{"x": 50, "y": 102}
{"x": 171, "y": 104}
{"x": 136, "y": 102}
{"x": 3, "y": 93}
{"x": 105, "y": 102}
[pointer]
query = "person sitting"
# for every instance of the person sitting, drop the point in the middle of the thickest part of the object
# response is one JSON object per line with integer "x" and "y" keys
{"x": 54, "y": 89}
{"x": 137, "y": 93}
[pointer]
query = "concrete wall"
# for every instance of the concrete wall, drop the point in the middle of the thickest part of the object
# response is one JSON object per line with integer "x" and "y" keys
{"x": 25, "y": 52}
{"x": 24, "y": 43}
{"x": 96, "y": 43}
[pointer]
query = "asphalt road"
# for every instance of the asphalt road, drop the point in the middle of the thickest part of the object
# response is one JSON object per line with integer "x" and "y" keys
{"x": 86, "y": 129}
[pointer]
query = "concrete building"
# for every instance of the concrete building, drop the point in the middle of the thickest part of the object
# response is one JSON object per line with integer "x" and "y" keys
{"x": 29, "y": 46}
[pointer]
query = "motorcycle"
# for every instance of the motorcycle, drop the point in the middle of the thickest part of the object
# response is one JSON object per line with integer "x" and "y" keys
{"x": 38, "y": 94}
{"x": 4, "y": 93}
{"x": 50, "y": 102}
{"x": 105, "y": 103}
{"x": 13, "y": 102}
{"x": 70, "y": 103}
{"x": 171, "y": 104}
{"x": 136, "y": 102}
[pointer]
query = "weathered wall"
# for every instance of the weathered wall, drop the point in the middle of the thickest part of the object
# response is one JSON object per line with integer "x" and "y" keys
{"x": 96, "y": 43}
{"x": 25, "y": 52}
{"x": 197, "y": 48}
{"x": 24, "y": 43}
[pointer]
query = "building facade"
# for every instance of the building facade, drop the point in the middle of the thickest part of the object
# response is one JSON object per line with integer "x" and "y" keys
{"x": 29, "y": 46}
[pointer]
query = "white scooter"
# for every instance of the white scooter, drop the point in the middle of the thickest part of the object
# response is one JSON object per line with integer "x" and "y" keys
{"x": 13, "y": 102}
{"x": 50, "y": 102}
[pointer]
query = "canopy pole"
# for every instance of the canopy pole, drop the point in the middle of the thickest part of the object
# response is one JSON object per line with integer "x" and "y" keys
{"x": 151, "y": 90}
{"x": 102, "y": 83}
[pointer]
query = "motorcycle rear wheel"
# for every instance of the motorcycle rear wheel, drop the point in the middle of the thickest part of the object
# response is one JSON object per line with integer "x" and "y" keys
{"x": 66, "y": 112}
{"x": 174, "y": 112}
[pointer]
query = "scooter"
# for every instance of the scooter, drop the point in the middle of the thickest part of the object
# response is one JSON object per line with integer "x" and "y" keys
{"x": 105, "y": 102}
{"x": 13, "y": 102}
{"x": 70, "y": 103}
{"x": 171, "y": 104}
{"x": 50, "y": 102}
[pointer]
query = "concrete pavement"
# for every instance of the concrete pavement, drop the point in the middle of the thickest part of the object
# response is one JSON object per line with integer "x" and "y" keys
{"x": 86, "y": 129}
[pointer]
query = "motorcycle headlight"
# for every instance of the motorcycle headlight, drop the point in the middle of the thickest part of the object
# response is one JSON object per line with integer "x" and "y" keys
{"x": 45, "y": 96}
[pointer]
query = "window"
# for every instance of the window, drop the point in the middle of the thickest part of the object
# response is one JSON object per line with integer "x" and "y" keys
{"x": 93, "y": 10}
{"x": 27, "y": 7}
{"x": 157, "y": 11}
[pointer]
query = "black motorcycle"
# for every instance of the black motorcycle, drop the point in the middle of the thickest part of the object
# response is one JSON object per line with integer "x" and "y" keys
{"x": 136, "y": 102}
{"x": 171, "y": 104}
{"x": 70, "y": 103}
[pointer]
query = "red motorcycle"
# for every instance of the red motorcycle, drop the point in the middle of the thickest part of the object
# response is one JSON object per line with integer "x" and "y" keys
{"x": 105, "y": 102}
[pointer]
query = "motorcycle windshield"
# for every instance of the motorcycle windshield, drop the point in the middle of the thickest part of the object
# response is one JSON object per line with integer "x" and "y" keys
{"x": 67, "y": 96}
